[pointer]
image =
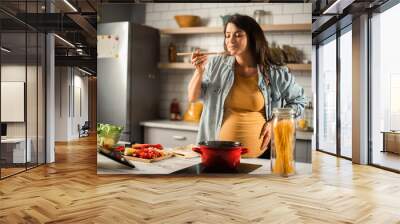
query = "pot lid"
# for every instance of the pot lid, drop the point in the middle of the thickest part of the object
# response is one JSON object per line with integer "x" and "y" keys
{"x": 220, "y": 144}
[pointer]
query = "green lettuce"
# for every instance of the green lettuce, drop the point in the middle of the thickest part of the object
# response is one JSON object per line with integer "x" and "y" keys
{"x": 108, "y": 134}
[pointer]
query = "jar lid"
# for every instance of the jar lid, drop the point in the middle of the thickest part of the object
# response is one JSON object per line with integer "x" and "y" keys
{"x": 283, "y": 111}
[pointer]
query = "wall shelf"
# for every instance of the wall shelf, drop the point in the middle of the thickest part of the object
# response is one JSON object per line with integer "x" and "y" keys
{"x": 181, "y": 65}
{"x": 303, "y": 27}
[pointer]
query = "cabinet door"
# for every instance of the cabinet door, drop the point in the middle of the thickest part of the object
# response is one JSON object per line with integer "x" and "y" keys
{"x": 303, "y": 151}
{"x": 169, "y": 137}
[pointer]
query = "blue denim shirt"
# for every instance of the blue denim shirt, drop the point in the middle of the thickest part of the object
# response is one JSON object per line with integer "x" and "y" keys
{"x": 279, "y": 90}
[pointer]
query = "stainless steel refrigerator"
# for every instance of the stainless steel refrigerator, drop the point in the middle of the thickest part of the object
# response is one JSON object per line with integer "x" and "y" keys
{"x": 128, "y": 84}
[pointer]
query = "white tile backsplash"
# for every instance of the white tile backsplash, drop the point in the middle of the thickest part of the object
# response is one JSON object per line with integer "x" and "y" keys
{"x": 307, "y": 8}
{"x": 302, "y": 39}
{"x": 293, "y": 8}
{"x": 159, "y": 7}
{"x": 175, "y": 82}
{"x": 302, "y": 18}
{"x": 283, "y": 19}
{"x": 274, "y": 9}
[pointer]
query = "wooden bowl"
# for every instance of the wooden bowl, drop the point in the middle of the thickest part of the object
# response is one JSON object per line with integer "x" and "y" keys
{"x": 187, "y": 20}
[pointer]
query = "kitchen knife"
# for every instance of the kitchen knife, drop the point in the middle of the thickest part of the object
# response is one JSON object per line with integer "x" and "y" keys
{"x": 119, "y": 159}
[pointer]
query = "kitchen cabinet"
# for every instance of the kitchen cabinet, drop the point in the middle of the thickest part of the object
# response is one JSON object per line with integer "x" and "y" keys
{"x": 303, "y": 151}
{"x": 170, "y": 133}
{"x": 169, "y": 137}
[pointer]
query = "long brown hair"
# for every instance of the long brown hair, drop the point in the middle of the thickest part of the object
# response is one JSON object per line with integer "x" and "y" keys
{"x": 258, "y": 44}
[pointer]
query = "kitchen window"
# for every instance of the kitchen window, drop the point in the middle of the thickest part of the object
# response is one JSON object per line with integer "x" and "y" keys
{"x": 334, "y": 99}
{"x": 346, "y": 92}
{"x": 326, "y": 104}
{"x": 385, "y": 89}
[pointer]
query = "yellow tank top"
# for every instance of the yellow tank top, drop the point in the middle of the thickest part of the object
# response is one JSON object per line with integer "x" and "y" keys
{"x": 244, "y": 115}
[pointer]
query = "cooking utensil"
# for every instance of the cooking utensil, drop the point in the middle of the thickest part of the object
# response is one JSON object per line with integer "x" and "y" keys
{"x": 116, "y": 156}
{"x": 204, "y": 53}
{"x": 220, "y": 154}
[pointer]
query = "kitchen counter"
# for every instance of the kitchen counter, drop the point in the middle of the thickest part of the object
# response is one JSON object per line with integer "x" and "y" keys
{"x": 191, "y": 126}
{"x": 178, "y": 125}
{"x": 170, "y": 165}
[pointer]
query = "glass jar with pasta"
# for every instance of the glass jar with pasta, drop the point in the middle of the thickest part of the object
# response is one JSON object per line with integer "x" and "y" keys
{"x": 283, "y": 142}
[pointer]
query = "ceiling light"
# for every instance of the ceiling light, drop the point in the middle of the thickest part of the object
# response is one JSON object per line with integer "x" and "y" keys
{"x": 5, "y": 50}
{"x": 70, "y": 5}
{"x": 84, "y": 71}
{"x": 65, "y": 41}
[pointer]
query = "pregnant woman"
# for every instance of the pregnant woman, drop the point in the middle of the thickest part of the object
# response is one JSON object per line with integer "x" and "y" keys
{"x": 240, "y": 89}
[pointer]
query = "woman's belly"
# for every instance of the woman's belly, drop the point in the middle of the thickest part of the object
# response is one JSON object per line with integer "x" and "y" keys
{"x": 244, "y": 127}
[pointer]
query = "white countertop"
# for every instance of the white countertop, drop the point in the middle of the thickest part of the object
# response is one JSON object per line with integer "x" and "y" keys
{"x": 170, "y": 165}
{"x": 191, "y": 126}
{"x": 178, "y": 125}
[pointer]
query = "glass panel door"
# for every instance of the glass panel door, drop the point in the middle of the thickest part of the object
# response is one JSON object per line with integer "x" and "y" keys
{"x": 14, "y": 153}
{"x": 385, "y": 89}
{"x": 31, "y": 99}
{"x": 41, "y": 100}
{"x": 22, "y": 90}
{"x": 346, "y": 94}
{"x": 326, "y": 105}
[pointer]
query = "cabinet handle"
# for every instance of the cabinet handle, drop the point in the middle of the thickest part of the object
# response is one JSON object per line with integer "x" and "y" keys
{"x": 179, "y": 137}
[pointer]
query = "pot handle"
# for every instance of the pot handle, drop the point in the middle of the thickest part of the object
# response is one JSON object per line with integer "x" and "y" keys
{"x": 196, "y": 149}
{"x": 244, "y": 150}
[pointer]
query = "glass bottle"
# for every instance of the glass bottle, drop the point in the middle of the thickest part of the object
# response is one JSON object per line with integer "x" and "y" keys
{"x": 257, "y": 15}
{"x": 283, "y": 142}
{"x": 172, "y": 52}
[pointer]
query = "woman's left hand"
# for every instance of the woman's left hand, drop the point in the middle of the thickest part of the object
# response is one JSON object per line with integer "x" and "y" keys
{"x": 266, "y": 134}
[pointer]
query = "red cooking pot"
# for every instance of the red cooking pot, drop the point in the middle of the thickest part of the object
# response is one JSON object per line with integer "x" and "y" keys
{"x": 220, "y": 154}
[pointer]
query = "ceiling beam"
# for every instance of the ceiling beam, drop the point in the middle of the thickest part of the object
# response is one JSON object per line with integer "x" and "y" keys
{"x": 84, "y": 24}
{"x": 83, "y": 61}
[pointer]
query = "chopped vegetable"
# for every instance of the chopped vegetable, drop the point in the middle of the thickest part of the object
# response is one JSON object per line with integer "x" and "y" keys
{"x": 143, "y": 146}
{"x": 129, "y": 151}
{"x": 108, "y": 135}
{"x": 120, "y": 148}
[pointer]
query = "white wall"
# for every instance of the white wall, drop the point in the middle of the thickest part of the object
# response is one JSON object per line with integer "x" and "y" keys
{"x": 67, "y": 80}
{"x": 175, "y": 82}
{"x": 33, "y": 127}
{"x": 15, "y": 72}
{"x": 61, "y": 103}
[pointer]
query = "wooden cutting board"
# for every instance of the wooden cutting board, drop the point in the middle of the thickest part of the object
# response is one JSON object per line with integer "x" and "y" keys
{"x": 185, "y": 151}
{"x": 166, "y": 156}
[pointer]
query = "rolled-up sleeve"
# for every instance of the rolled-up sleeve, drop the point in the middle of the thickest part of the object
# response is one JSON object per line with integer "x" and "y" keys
{"x": 292, "y": 92}
{"x": 206, "y": 79}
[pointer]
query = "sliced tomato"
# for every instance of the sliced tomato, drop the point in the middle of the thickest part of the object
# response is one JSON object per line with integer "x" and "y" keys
{"x": 120, "y": 148}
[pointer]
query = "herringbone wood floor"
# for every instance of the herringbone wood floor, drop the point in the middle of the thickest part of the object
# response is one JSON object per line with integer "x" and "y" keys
{"x": 69, "y": 191}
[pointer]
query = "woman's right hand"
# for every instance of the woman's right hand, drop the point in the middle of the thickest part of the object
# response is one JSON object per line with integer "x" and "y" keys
{"x": 199, "y": 60}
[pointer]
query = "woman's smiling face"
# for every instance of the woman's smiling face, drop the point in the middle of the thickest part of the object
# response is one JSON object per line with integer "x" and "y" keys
{"x": 235, "y": 39}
